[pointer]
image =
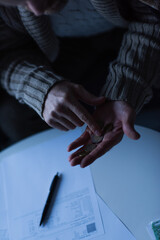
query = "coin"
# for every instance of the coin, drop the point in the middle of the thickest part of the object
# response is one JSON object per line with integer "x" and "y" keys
{"x": 95, "y": 140}
{"x": 88, "y": 148}
{"x": 106, "y": 129}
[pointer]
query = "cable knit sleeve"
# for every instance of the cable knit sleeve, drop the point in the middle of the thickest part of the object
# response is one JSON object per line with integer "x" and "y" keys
{"x": 25, "y": 71}
{"x": 27, "y": 76}
{"x": 136, "y": 69}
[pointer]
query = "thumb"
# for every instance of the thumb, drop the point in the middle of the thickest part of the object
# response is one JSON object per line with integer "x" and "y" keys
{"x": 89, "y": 98}
{"x": 129, "y": 130}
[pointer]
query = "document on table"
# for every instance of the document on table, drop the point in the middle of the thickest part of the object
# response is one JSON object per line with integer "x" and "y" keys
{"x": 114, "y": 228}
{"x": 3, "y": 211}
{"x": 76, "y": 213}
{"x": 28, "y": 175}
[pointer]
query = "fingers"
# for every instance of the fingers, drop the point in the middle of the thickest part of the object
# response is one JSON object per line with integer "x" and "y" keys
{"x": 83, "y": 139}
{"x": 129, "y": 130}
{"x": 63, "y": 122}
{"x": 62, "y": 103}
{"x": 56, "y": 125}
{"x": 121, "y": 115}
{"x": 65, "y": 118}
{"x": 62, "y": 106}
{"x": 87, "y": 97}
{"x": 72, "y": 117}
{"x": 75, "y": 157}
{"x": 110, "y": 140}
{"x": 127, "y": 119}
{"x": 85, "y": 117}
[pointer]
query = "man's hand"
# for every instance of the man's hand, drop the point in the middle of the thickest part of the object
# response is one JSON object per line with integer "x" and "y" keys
{"x": 41, "y": 6}
{"x": 117, "y": 113}
{"x": 63, "y": 110}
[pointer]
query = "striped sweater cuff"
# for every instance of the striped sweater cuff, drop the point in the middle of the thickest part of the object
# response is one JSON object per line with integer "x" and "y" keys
{"x": 29, "y": 82}
{"x": 36, "y": 87}
{"x": 135, "y": 70}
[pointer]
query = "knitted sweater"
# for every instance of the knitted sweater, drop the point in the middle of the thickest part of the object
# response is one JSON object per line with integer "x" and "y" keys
{"x": 26, "y": 74}
{"x": 79, "y": 19}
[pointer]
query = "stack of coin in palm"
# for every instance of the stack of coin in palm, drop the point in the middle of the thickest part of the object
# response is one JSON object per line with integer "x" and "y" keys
{"x": 95, "y": 140}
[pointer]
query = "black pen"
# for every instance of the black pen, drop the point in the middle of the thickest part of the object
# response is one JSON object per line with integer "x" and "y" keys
{"x": 50, "y": 199}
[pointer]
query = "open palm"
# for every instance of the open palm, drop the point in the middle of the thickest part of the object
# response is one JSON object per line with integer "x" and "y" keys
{"x": 121, "y": 115}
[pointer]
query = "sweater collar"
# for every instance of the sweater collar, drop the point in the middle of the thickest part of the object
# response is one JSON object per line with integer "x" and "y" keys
{"x": 39, "y": 28}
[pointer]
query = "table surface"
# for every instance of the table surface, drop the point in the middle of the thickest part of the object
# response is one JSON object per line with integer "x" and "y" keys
{"x": 127, "y": 177}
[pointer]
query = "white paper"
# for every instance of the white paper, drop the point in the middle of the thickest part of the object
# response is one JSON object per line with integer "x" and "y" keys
{"x": 3, "y": 211}
{"x": 28, "y": 175}
{"x": 114, "y": 228}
